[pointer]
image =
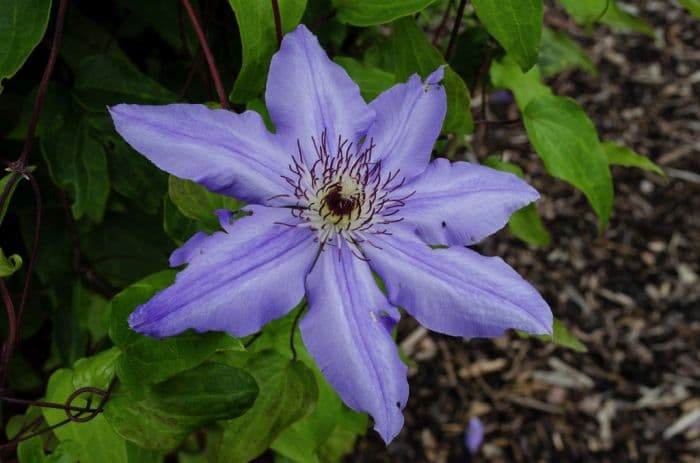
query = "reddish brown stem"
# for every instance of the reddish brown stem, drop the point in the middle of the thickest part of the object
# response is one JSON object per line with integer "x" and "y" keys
{"x": 207, "y": 54}
{"x": 55, "y": 45}
{"x": 278, "y": 21}
{"x": 455, "y": 31}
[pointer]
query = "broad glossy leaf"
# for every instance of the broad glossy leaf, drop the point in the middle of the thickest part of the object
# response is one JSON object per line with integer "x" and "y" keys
{"x": 22, "y": 25}
{"x": 567, "y": 141}
{"x": 287, "y": 393}
{"x": 9, "y": 265}
{"x": 169, "y": 411}
{"x": 196, "y": 202}
{"x": 413, "y": 53}
{"x": 371, "y": 12}
{"x": 372, "y": 80}
{"x": 525, "y": 86}
{"x": 693, "y": 6}
{"x": 78, "y": 164}
{"x": 135, "y": 420}
{"x": 524, "y": 223}
{"x": 516, "y": 24}
{"x": 558, "y": 53}
{"x": 561, "y": 336}
{"x": 620, "y": 155}
{"x": 147, "y": 360}
{"x": 104, "y": 80}
{"x": 213, "y": 391}
{"x": 256, "y": 23}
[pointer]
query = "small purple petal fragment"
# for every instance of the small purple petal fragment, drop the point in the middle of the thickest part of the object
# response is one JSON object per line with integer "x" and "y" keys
{"x": 191, "y": 248}
{"x": 347, "y": 331}
{"x": 456, "y": 291}
{"x": 474, "y": 435}
{"x": 456, "y": 203}
{"x": 234, "y": 282}
{"x": 308, "y": 94}
{"x": 232, "y": 154}
{"x": 409, "y": 119}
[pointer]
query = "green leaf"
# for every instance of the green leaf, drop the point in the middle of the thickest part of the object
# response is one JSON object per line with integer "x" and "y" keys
{"x": 516, "y": 24}
{"x": 617, "y": 18}
{"x": 620, "y": 155}
{"x": 84, "y": 37}
{"x": 256, "y": 23}
{"x": 171, "y": 410}
{"x": 524, "y": 223}
{"x": 104, "y": 80}
{"x": 134, "y": 177}
{"x": 91, "y": 310}
{"x": 287, "y": 393}
{"x": 567, "y": 141}
{"x": 372, "y": 80}
{"x": 561, "y": 336}
{"x": 22, "y": 25}
{"x": 3, "y": 184}
{"x": 559, "y": 53}
{"x": 77, "y": 163}
{"x": 586, "y": 12}
{"x": 164, "y": 16}
{"x": 127, "y": 246}
{"x": 148, "y": 360}
{"x": 525, "y": 86}
{"x": 96, "y": 371}
{"x": 413, "y": 53}
{"x": 176, "y": 225}
{"x": 111, "y": 447}
{"x": 196, "y": 202}
{"x": 693, "y": 6}
{"x": 371, "y": 12}
{"x": 154, "y": 429}
{"x": 212, "y": 390}
{"x": 9, "y": 265}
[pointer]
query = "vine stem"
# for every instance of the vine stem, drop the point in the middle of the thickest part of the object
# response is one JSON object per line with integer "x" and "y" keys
{"x": 278, "y": 21}
{"x": 207, "y": 54}
{"x": 455, "y": 31}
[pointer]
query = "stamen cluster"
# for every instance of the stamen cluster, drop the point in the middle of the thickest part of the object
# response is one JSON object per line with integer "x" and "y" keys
{"x": 345, "y": 193}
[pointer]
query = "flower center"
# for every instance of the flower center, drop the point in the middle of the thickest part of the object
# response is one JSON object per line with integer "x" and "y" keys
{"x": 346, "y": 193}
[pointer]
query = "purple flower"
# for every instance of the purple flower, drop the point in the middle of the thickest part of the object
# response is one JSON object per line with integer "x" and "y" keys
{"x": 341, "y": 189}
{"x": 474, "y": 435}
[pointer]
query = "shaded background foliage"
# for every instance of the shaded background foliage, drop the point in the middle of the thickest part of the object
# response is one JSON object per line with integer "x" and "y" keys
{"x": 109, "y": 219}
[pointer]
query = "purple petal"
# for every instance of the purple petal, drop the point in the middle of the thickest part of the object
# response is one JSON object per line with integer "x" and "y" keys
{"x": 409, "y": 119}
{"x": 234, "y": 282}
{"x": 461, "y": 203}
{"x": 229, "y": 153}
{"x": 474, "y": 436}
{"x": 455, "y": 290}
{"x": 307, "y": 93}
{"x": 348, "y": 332}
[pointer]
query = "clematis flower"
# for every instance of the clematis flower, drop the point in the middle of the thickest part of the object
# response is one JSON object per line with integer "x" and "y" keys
{"x": 340, "y": 190}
